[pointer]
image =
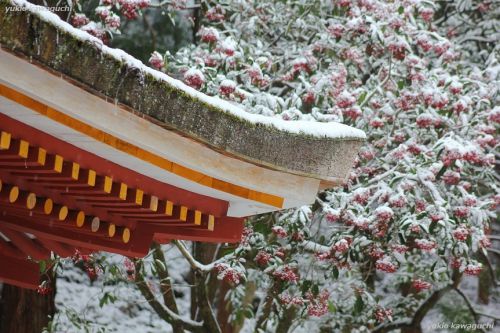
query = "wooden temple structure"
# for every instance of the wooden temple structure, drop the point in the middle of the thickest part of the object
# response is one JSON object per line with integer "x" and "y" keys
{"x": 97, "y": 153}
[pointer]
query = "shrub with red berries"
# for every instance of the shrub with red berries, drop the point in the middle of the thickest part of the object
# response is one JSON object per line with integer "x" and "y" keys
{"x": 421, "y": 197}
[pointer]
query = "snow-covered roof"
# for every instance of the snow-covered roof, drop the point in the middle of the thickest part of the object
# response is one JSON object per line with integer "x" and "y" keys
{"x": 314, "y": 149}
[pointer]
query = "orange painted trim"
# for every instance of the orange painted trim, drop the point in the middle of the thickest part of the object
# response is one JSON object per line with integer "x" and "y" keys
{"x": 135, "y": 151}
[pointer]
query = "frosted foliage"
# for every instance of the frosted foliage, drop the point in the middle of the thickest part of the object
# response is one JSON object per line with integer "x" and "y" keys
{"x": 78, "y": 298}
{"x": 421, "y": 79}
{"x": 423, "y": 191}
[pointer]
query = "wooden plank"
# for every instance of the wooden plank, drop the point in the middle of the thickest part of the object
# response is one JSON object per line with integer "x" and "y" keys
{"x": 69, "y": 201}
{"x": 19, "y": 272}
{"x": 138, "y": 245}
{"x": 9, "y": 249}
{"x": 226, "y": 229}
{"x": 63, "y": 250}
{"x": 25, "y": 244}
{"x": 86, "y": 160}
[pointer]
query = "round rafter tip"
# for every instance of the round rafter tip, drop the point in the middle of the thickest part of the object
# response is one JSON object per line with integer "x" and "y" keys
{"x": 80, "y": 219}
{"x": 31, "y": 200}
{"x": 111, "y": 230}
{"x": 96, "y": 222}
{"x": 48, "y": 206}
{"x": 63, "y": 213}
{"x": 13, "y": 194}
{"x": 126, "y": 235}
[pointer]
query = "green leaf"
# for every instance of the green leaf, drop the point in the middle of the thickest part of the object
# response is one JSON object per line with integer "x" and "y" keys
{"x": 315, "y": 290}
{"x": 106, "y": 299}
{"x": 401, "y": 10}
{"x": 433, "y": 267}
{"x": 432, "y": 228}
{"x": 227, "y": 250}
{"x": 305, "y": 286}
{"x": 159, "y": 264}
{"x": 362, "y": 97}
{"x": 401, "y": 237}
{"x": 401, "y": 84}
{"x": 469, "y": 241}
{"x": 43, "y": 266}
{"x": 171, "y": 18}
{"x": 248, "y": 313}
{"x": 335, "y": 272}
{"x": 358, "y": 305}
{"x": 331, "y": 307}
{"x": 441, "y": 172}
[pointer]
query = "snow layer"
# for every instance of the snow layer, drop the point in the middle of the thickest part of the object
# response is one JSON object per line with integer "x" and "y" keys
{"x": 329, "y": 130}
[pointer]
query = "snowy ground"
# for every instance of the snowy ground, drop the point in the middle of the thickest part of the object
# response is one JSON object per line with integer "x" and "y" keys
{"x": 446, "y": 311}
{"x": 79, "y": 311}
{"x": 78, "y": 300}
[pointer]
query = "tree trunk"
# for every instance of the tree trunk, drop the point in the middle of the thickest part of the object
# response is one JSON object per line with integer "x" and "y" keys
{"x": 204, "y": 253}
{"x": 24, "y": 310}
{"x": 250, "y": 289}
{"x": 368, "y": 273}
{"x": 287, "y": 320}
{"x": 224, "y": 309}
{"x": 484, "y": 282}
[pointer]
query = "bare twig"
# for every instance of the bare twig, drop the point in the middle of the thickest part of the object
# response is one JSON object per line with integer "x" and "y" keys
{"x": 487, "y": 315}
{"x": 495, "y": 251}
{"x": 287, "y": 29}
{"x": 469, "y": 305}
{"x": 381, "y": 85}
{"x": 195, "y": 265}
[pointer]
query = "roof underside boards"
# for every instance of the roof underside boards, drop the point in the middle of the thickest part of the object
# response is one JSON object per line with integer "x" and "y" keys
{"x": 37, "y": 181}
{"x": 99, "y": 152}
{"x": 51, "y": 203}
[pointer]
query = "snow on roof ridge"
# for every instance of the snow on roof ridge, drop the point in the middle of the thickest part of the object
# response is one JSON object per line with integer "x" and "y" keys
{"x": 317, "y": 129}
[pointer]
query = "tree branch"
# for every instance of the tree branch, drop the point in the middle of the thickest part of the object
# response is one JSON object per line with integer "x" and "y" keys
{"x": 210, "y": 322}
{"x": 195, "y": 264}
{"x": 315, "y": 247}
{"x": 491, "y": 270}
{"x": 424, "y": 308}
{"x": 268, "y": 304}
{"x": 469, "y": 305}
{"x": 395, "y": 325}
{"x": 487, "y": 315}
{"x": 495, "y": 251}
{"x": 164, "y": 313}
{"x": 381, "y": 85}
{"x": 165, "y": 284}
{"x": 434, "y": 298}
